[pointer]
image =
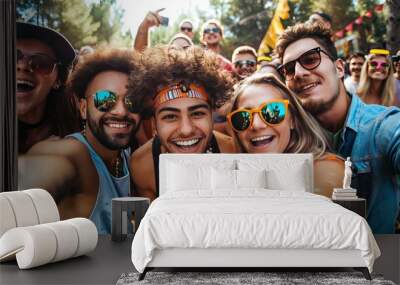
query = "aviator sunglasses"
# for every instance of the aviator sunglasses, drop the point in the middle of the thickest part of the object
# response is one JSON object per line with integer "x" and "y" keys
{"x": 39, "y": 63}
{"x": 308, "y": 60}
{"x": 105, "y": 101}
{"x": 271, "y": 113}
{"x": 212, "y": 30}
{"x": 241, "y": 63}
{"x": 378, "y": 64}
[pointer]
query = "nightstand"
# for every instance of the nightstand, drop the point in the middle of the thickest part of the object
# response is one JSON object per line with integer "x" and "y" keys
{"x": 358, "y": 205}
{"x": 124, "y": 210}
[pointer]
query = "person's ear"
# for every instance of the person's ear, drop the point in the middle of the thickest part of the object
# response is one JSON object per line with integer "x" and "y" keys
{"x": 83, "y": 108}
{"x": 340, "y": 64}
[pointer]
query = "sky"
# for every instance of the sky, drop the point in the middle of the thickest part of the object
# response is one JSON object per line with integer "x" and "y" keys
{"x": 135, "y": 10}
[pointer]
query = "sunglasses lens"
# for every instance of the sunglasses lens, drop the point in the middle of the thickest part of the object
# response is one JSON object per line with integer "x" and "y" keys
{"x": 20, "y": 55}
{"x": 129, "y": 103}
{"x": 310, "y": 60}
{"x": 288, "y": 70}
{"x": 104, "y": 100}
{"x": 41, "y": 64}
{"x": 241, "y": 120}
{"x": 274, "y": 113}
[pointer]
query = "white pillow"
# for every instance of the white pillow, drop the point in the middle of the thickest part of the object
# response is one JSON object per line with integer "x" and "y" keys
{"x": 251, "y": 178}
{"x": 293, "y": 180}
{"x": 223, "y": 179}
{"x": 281, "y": 174}
{"x": 183, "y": 177}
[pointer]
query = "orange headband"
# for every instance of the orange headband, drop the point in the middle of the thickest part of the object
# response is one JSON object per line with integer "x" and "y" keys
{"x": 180, "y": 90}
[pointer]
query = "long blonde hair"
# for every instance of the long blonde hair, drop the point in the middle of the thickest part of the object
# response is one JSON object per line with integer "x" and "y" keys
{"x": 387, "y": 97}
{"x": 306, "y": 136}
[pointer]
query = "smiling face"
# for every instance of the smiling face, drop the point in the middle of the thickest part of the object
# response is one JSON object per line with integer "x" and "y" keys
{"x": 260, "y": 137}
{"x": 184, "y": 125}
{"x": 33, "y": 87}
{"x": 319, "y": 88}
{"x": 212, "y": 38}
{"x": 187, "y": 29}
{"x": 115, "y": 128}
{"x": 378, "y": 67}
{"x": 355, "y": 67}
{"x": 243, "y": 63}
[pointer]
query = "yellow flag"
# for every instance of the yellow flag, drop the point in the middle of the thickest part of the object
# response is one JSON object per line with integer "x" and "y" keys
{"x": 275, "y": 28}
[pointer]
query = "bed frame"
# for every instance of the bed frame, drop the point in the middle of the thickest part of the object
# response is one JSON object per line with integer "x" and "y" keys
{"x": 242, "y": 259}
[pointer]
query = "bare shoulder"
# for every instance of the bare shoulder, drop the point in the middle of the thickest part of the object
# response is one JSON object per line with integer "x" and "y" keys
{"x": 142, "y": 169}
{"x": 66, "y": 147}
{"x": 225, "y": 143}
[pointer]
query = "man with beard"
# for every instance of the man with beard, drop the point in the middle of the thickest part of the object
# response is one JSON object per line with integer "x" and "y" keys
{"x": 178, "y": 89}
{"x": 369, "y": 134}
{"x": 244, "y": 60}
{"x": 85, "y": 170}
{"x": 356, "y": 61}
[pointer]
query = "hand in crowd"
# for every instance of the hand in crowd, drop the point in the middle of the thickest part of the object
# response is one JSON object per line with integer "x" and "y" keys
{"x": 152, "y": 18}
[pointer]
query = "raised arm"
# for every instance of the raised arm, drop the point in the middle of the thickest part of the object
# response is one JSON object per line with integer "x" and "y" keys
{"x": 142, "y": 36}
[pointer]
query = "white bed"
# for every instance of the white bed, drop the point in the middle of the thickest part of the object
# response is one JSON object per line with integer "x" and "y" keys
{"x": 240, "y": 210}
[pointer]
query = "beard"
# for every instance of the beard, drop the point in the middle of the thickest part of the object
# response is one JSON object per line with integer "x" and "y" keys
{"x": 320, "y": 106}
{"x": 115, "y": 142}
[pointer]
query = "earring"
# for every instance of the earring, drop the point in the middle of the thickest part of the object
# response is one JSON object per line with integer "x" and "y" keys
{"x": 83, "y": 132}
{"x": 57, "y": 86}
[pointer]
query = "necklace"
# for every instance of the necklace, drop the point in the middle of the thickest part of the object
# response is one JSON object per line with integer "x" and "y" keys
{"x": 116, "y": 165}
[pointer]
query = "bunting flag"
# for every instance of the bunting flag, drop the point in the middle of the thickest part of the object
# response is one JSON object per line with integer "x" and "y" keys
{"x": 275, "y": 28}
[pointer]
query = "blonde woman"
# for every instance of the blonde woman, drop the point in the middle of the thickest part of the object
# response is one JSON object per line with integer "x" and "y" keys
{"x": 377, "y": 85}
{"x": 267, "y": 118}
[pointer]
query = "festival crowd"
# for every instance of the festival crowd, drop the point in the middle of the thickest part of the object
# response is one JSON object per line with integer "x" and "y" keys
{"x": 92, "y": 123}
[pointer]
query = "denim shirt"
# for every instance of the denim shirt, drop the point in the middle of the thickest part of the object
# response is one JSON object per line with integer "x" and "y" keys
{"x": 371, "y": 136}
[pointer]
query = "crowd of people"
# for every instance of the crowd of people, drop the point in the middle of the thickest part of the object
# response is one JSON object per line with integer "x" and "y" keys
{"x": 93, "y": 123}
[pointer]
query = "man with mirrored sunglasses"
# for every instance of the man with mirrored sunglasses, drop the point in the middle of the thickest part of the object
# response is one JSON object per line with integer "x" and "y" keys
{"x": 244, "y": 59}
{"x": 44, "y": 58}
{"x": 85, "y": 170}
{"x": 369, "y": 134}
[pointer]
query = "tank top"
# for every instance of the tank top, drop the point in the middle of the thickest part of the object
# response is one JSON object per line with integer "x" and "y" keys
{"x": 156, "y": 151}
{"x": 109, "y": 186}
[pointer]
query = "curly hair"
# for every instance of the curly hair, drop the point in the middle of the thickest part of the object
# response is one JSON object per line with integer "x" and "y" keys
{"x": 121, "y": 60}
{"x": 306, "y": 136}
{"x": 316, "y": 31}
{"x": 162, "y": 66}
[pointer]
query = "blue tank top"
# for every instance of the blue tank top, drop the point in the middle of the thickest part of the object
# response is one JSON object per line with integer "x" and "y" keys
{"x": 109, "y": 187}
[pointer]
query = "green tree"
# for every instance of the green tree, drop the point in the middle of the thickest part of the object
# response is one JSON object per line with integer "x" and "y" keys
{"x": 393, "y": 16}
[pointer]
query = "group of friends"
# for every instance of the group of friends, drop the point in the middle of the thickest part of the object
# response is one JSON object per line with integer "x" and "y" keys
{"x": 92, "y": 128}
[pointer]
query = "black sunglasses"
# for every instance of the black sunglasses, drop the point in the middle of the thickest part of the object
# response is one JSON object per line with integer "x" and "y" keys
{"x": 186, "y": 29}
{"x": 105, "y": 101}
{"x": 247, "y": 62}
{"x": 308, "y": 60}
{"x": 40, "y": 63}
{"x": 212, "y": 30}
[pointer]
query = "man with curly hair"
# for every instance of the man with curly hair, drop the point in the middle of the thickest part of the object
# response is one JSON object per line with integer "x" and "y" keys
{"x": 179, "y": 89}
{"x": 85, "y": 170}
{"x": 369, "y": 134}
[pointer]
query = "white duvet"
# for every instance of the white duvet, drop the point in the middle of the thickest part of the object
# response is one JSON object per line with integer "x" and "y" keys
{"x": 251, "y": 218}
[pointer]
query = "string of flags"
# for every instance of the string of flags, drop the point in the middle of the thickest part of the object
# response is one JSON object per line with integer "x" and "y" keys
{"x": 349, "y": 27}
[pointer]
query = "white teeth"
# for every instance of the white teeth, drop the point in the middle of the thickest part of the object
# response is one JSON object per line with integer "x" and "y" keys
{"x": 260, "y": 138}
{"x": 117, "y": 125}
{"x": 25, "y": 82}
{"x": 187, "y": 143}
{"x": 308, "y": 86}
